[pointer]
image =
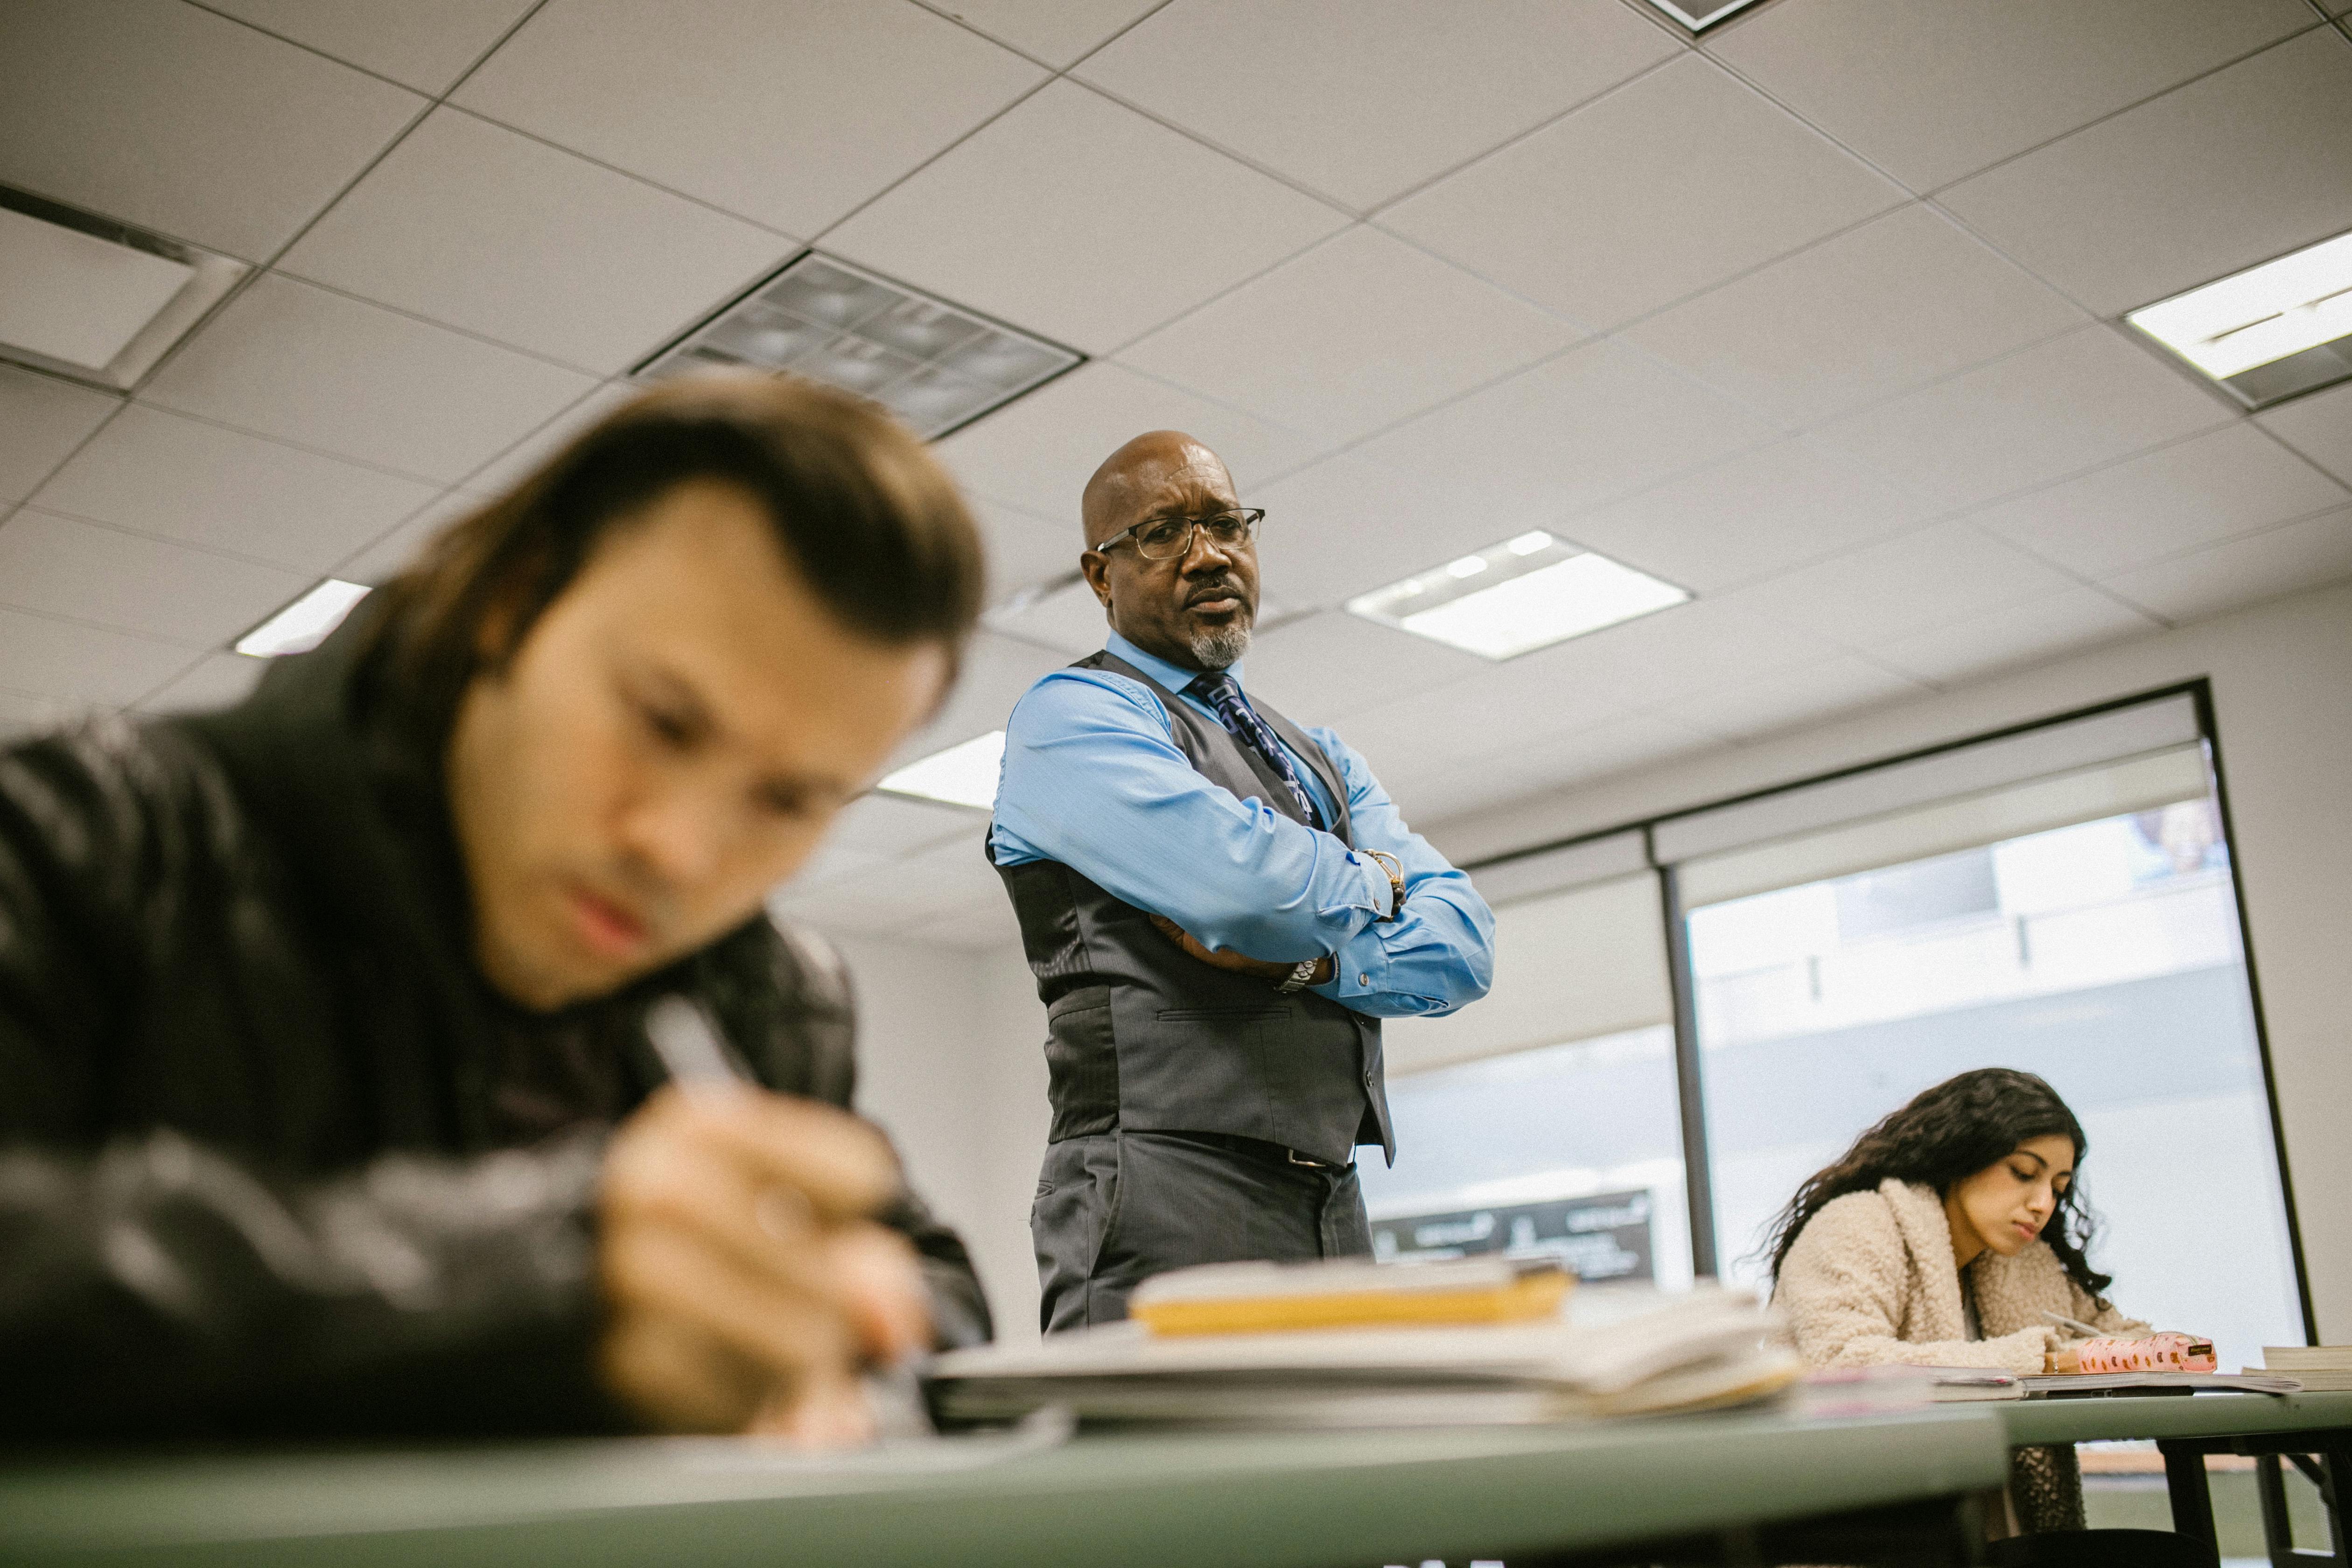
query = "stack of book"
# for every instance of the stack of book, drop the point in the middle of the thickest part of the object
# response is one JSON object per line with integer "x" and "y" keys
{"x": 2321, "y": 1369}
{"x": 1478, "y": 1341}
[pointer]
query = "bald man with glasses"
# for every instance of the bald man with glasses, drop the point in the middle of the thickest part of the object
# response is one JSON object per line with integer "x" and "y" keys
{"x": 1219, "y": 908}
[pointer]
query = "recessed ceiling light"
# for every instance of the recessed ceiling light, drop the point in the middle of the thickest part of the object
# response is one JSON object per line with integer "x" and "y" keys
{"x": 2268, "y": 332}
{"x": 935, "y": 366}
{"x": 961, "y": 775}
{"x": 1700, "y": 14}
{"x": 1525, "y": 594}
{"x": 304, "y": 624}
{"x": 95, "y": 300}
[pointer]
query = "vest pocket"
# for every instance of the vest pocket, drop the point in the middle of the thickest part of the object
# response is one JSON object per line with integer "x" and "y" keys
{"x": 1260, "y": 1015}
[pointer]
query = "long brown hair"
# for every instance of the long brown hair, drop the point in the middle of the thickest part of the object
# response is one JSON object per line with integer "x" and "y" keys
{"x": 1947, "y": 1134}
{"x": 858, "y": 507}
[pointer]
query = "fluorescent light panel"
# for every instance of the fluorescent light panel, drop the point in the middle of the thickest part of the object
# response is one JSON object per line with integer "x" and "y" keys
{"x": 94, "y": 300}
{"x": 933, "y": 365}
{"x": 2270, "y": 333}
{"x": 304, "y": 624}
{"x": 961, "y": 775}
{"x": 1511, "y": 598}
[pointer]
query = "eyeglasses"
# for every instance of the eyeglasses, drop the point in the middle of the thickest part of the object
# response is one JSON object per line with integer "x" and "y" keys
{"x": 1166, "y": 538}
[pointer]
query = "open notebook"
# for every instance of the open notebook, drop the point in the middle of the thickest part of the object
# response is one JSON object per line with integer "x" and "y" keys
{"x": 1607, "y": 1351}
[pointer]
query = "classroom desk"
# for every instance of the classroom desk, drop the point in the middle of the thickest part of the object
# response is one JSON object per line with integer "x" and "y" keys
{"x": 1701, "y": 1486}
{"x": 2188, "y": 1428}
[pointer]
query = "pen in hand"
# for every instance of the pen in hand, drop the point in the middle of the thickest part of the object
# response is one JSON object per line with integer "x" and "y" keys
{"x": 688, "y": 1047}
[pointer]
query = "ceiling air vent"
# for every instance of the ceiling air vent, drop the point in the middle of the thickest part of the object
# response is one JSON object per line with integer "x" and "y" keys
{"x": 1700, "y": 14}
{"x": 935, "y": 365}
{"x": 84, "y": 297}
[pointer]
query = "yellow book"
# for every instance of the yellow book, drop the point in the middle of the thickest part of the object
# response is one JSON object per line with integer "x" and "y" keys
{"x": 1334, "y": 1293}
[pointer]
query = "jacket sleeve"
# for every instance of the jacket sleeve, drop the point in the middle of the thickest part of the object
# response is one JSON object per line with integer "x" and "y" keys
{"x": 154, "y": 1285}
{"x": 821, "y": 1029}
{"x": 1842, "y": 1288}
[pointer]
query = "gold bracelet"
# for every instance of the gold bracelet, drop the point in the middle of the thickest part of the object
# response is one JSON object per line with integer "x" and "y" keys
{"x": 1395, "y": 868}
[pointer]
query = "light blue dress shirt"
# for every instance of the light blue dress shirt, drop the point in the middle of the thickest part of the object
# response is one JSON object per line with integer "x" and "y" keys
{"x": 1094, "y": 779}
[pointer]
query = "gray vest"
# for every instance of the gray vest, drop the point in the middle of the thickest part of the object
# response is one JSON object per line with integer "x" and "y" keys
{"x": 1141, "y": 1035}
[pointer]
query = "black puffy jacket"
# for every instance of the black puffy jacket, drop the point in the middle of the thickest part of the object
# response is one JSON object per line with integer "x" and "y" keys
{"x": 252, "y": 1180}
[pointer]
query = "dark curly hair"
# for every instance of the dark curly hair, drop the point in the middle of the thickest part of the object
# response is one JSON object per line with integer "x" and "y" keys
{"x": 1947, "y": 1134}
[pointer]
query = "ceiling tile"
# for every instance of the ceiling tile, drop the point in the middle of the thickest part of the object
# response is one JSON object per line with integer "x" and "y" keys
{"x": 1749, "y": 710}
{"x": 1055, "y": 31}
{"x": 2213, "y": 487}
{"x": 1932, "y": 90}
{"x": 473, "y": 225}
{"x": 1898, "y": 302}
{"x": 2307, "y": 554}
{"x": 2228, "y": 171}
{"x": 2019, "y": 634}
{"x": 1573, "y": 217}
{"x": 522, "y": 459}
{"x": 58, "y": 566}
{"x": 164, "y": 115}
{"x": 1319, "y": 668}
{"x": 41, "y": 422}
{"x": 73, "y": 664}
{"x": 1592, "y": 424}
{"x": 1023, "y": 551}
{"x": 1611, "y": 747}
{"x": 1055, "y": 218}
{"x": 2319, "y": 427}
{"x": 299, "y": 364}
{"x": 1749, "y": 516}
{"x": 1943, "y": 573}
{"x": 2048, "y": 411}
{"x": 23, "y": 714}
{"x": 423, "y": 44}
{"x": 996, "y": 671}
{"x": 893, "y": 826}
{"x": 1363, "y": 100}
{"x": 1037, "y": 454}
{"x": 788, "y": 112}
{"x": 1691, "y": 648}
{"x": 375, "y": 561}
{"x": 159, "y": 474}
{"x": 1438, "y": 731}
{"x": 216, "y": 680}
{"x": 1357, "y": 334}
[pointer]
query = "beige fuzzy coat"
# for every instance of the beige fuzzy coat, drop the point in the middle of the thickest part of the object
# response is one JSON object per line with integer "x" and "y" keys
{"x": 1871, "y": 1279}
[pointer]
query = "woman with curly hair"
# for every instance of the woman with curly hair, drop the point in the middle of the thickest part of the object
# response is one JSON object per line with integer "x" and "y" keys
{"x": 1941, "y": 1239}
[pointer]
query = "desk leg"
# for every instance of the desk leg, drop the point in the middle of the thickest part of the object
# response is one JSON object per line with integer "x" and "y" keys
{"x": 2192, "y": 1504}
{"x": 2278, "y": 1528}
{"x": 2335, "y": 1465}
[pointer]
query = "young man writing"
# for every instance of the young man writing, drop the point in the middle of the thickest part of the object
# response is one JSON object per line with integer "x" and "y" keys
{"x": 326, "y": 1101}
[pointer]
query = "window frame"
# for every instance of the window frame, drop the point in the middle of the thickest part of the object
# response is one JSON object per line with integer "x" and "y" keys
{"x": 1697, "y": 1165}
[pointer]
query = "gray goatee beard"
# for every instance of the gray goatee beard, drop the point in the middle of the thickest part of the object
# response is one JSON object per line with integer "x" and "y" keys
{"x": 1218, "y": 646}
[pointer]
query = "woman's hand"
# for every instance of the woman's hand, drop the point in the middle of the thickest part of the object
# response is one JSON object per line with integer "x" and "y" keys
{"x": 2062, "y": 1359}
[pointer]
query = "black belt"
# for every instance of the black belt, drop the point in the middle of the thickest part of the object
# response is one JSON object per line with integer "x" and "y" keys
{"x": 1260, "y": 1149}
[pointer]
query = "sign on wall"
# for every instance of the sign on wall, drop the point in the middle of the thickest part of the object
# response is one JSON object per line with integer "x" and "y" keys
{"x": 1602, "y": 1235}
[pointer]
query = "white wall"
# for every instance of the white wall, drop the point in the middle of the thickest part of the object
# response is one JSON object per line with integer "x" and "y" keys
{"x": 952, "y": 1063}
{"x": 2282, "y": 680}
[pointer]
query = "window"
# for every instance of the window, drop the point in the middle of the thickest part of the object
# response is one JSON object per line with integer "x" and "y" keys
{"x": 1543, "y": 1121}
{"x": 2059, "y": 898}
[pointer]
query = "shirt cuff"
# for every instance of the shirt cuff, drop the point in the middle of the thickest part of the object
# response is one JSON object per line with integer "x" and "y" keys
{"x": 1378, "y": 889}
{"x": 1360, "y": 967}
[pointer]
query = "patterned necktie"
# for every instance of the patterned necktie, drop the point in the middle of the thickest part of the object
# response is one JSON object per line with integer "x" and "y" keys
{"x": 1241, "y": 722}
